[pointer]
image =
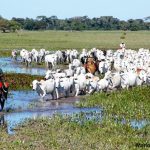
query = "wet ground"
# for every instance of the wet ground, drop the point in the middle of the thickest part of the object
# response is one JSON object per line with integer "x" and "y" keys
{"x": 22, "y": 105}
{"x": 9, "y": 65}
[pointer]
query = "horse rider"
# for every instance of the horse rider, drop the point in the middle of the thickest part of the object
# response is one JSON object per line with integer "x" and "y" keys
{"x": 3, "y": 89}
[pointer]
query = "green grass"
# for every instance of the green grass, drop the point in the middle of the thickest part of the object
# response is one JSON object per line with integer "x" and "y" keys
{"x": 63, "y": 133}
{"x": 54, "y": 40}
{"x": 20, "y": 81}
{"x": 131, "y": 104}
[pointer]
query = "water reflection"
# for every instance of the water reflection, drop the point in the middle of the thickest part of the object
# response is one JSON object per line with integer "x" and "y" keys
{"x": 24, "y": 105}
{"x": 138, "y": 124}
{"x": 16, "y": 118}
{"x": 9, "y": 65}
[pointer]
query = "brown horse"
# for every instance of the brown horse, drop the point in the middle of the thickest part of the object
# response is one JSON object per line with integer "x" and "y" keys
{"x": 90, "y": 65}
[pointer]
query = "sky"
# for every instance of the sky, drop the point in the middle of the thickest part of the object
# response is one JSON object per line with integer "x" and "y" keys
{"x": 123, "y": 10}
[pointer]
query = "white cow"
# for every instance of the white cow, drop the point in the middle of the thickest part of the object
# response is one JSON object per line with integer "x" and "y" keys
{"x": 103, "y": 85}
{"x": 14, "y": 54}
{"x": 59, "y": 56}
{"x": 45, "y": 87}
{"x": 22, "y": 54}
{"x": 53, "y": 74}
{"x": 114, "y": 80}
{"x": 128, "y": 79}
{"x": 41, "y": 55}
{"x": 26, "y": 56}
{"x": 35, "y": 55}
{"x": 76, "y": 63}
{"x": 92, "y": 84}
{"x": 73, "y": 55}
{"x": 51, "y": 60}
{"x": 80, "y": 83}
{"x": 80, "y": 70}
{"x": 64, "y": 86}
{"x": 103, "y": 67}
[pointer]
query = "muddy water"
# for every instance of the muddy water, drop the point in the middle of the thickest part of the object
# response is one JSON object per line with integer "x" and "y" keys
{"x": 9, "y": 65}
{"x": 24, "y": 105}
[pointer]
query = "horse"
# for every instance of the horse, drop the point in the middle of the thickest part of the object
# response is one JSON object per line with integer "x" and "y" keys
{"x": 91, "y": 65}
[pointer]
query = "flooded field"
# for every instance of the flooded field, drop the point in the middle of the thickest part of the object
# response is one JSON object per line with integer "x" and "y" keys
{"x": 9, "y": 65}
{"x": 24, "y": 105}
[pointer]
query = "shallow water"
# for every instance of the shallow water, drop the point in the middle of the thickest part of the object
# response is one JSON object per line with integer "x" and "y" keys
{"x": 22, "y": 105}
{"x": 27, "y": 104}
{"x": 9, "y": 65}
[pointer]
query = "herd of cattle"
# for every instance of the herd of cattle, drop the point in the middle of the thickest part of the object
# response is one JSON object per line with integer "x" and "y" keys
{"x": 122, "y": 68}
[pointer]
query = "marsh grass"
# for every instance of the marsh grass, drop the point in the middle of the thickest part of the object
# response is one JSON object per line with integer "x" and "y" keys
{"x": 20, "y": 81}
{"x": 5, "y": 53}
{"x": 63, "y": 133}
{"x": 131, "y": 104}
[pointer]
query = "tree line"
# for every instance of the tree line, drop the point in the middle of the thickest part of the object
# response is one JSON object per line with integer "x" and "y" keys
{"x": 75, "y": 23}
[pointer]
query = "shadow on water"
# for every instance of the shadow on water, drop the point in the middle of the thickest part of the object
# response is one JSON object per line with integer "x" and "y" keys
{"x": 9, "y": 65}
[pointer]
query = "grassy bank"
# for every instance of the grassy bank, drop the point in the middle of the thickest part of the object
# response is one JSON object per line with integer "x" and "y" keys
{"x": 62, "y": 133}
{"x": 54, "y": 40}
{"x": 131, "y": 104}
{"x": 5, "y": 53}
{"x": 20, "y": 81}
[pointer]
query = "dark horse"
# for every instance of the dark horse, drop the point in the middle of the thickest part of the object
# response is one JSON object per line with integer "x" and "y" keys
{"x": 3, "y": 94}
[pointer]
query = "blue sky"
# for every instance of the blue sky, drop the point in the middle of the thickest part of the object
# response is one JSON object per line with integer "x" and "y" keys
{"x": 123, "y": 10}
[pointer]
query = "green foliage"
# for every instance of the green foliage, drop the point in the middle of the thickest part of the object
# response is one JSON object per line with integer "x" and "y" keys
{"x": 6, "y": 25}
{"x": 20, "y": 81}
{"x": 80, "y": 23}
{"x": 14, "y": 26}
